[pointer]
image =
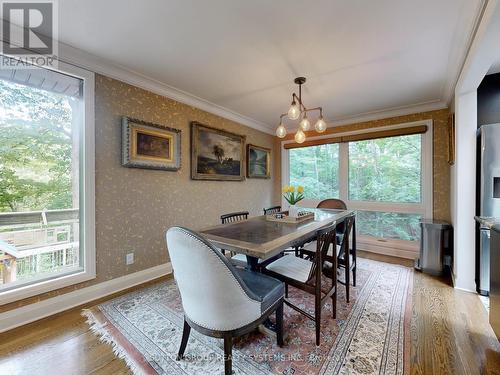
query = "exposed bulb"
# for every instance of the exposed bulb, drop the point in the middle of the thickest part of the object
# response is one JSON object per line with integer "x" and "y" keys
{"x": 300, "y": 136}
{"x": 294, "y": 111}
{"x": 320, "y": 125}
{"x": 281, "y": 131}
{"x": 305, "y": 125}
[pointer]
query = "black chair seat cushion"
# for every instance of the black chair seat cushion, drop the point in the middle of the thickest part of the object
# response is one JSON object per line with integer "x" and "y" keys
{"x": 268, "y": 289}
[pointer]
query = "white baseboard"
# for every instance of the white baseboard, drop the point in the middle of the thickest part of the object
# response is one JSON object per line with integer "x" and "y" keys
{"x": 38, "y": 310}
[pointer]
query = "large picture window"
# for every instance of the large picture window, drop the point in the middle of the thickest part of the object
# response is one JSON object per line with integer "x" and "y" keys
{"x": 45, "y": 188}
{"x": 387, "y": 180}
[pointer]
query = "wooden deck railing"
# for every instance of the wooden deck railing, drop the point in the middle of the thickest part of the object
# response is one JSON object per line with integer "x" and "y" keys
{"x": 42, "y": 242}
{"x": 8, "y": 219}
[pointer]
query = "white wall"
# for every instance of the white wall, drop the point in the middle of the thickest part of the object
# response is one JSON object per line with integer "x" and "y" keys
{"x": 483, "y": 52}
{"x": 464, "y": 190}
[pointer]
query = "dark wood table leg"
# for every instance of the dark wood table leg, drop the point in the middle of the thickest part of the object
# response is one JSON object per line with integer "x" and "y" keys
{"x": 252, "y": 263}
{"x": 354, "y": 252}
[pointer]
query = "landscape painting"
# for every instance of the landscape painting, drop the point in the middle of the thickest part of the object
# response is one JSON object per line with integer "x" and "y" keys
{"x": 216, "y": 154}
{"x": 258, "y": 162}
{"x": 150, "y": 146}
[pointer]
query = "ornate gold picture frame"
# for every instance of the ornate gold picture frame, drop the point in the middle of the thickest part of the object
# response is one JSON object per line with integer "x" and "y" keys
{"x": 216, "y": 154}
{"x": 258, "y": 162}
{"x": 150, "y": 146}
{"x": 451, "y": 139}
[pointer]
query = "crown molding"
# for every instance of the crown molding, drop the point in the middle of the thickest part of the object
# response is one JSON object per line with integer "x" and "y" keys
{"x": 481, "y": 53}
{"x": 77, "y": 57}
{"x": 454, "y": 69}
{"x": 433, "y": 105}
{"x": 82, "y": 59}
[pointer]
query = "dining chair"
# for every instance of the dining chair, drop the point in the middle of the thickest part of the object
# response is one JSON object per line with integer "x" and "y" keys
{"x": 275, "y": 210}
{"x": 348, "y": 263}
{"x": 272, "y": 210}
{"x": 306, "y": 275}
{"x": 218, "y": 299}
{"x": 234, "y": 217}
{"x": 332, "y": 203}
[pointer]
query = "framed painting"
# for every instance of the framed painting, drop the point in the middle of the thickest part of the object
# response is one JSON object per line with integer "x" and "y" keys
{"x": 216, "y": 154}
{"x": 150, "y": 146}
{"x": 451, "y": 139}
{"x": 258, "y": 162}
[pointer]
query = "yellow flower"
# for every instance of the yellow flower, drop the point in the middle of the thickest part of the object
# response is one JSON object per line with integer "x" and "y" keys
{"x": 292, "y": 189}
{"x": 285, "y": 189}
{"x": 300, "y": 189}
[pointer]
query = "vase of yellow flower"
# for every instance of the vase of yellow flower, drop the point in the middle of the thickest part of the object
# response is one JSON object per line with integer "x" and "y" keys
{"x": 293, "y": 195}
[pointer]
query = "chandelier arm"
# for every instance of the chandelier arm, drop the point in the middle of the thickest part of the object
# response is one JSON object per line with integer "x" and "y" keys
{"x": 315, "y": 109}
{"x": 302, "y": 106}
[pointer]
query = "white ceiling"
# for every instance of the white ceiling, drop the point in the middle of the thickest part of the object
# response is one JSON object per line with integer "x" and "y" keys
{"x": 360, "y": 57}
{"x": 495, "y": 67}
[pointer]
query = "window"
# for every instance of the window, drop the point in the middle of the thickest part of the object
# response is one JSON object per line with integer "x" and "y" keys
{"x": 386, "y": 169}
{"x": 388, "y": 181}
{"x": 46, "y": 180}
{"x": 316, "y": 167}
{"x": 389, "y": 225}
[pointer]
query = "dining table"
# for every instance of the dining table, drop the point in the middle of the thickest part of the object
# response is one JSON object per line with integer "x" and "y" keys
{"x": 261, "y": 238}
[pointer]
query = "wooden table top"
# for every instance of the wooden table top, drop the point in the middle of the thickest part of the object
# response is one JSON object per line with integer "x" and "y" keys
{"x": 263, "y": 239}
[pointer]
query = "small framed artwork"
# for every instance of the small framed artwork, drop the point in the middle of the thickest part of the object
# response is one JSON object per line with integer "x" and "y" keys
{"x": 258, "y": 162}
{"x": 150, "y": 146}
{"x": 216, "y": 154}
{"x": 451, "y": 139}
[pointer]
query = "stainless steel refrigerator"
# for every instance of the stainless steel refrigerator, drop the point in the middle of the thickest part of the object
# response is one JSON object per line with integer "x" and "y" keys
{"x": 488, "y": 198}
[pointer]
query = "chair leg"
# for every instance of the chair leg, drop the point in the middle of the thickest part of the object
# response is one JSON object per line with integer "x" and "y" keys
{"x": 286, "y": 290}
{"x": 354, "y": 276}
{"x": 334, "y": 303}
{"x": 334, "y": 295}
{"x": 279, "y": 324}
{"x": 228, "y": 354}
{"x": 317, "y": 315}
{"x": 347, "y": 282}
{"x": 185, "y": 336}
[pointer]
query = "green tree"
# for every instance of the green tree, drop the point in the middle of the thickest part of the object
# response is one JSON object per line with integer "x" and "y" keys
{"x": 35, "y": 148}
{"x": 384, "y": 170}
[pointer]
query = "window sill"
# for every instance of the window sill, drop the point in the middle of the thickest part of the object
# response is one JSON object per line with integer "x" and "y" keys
{"x": 391, "y": 247}
{"x": 41, "y": 287}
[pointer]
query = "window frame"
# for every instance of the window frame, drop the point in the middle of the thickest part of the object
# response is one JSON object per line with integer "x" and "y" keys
{"x": 87, "y": 197}
{"x": 401, "y": 248}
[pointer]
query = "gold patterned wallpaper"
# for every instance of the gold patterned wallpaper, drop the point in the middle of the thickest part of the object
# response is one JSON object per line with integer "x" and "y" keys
{"x": 441, "y": 169}
{"x": 134, "y": 207}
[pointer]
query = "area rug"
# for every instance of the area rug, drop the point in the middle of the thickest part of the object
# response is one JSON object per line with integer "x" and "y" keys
{"x": 369, "y": 336}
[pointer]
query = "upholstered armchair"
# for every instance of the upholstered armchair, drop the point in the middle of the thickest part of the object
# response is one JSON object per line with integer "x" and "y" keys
{"x": 218, "y": 299}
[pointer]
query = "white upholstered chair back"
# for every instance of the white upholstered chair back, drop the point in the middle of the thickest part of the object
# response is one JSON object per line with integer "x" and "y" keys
{"x": 213, "y": 295}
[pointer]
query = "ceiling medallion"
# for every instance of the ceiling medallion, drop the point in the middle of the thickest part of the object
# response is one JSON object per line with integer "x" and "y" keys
{"x": 298, "y": 110}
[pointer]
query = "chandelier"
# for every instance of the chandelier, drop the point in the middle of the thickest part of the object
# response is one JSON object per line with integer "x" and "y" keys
{"x": 298, "y": 110}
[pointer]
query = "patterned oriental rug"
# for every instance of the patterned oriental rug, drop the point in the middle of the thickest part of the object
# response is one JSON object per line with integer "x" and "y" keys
{"x": 369, "y": 336}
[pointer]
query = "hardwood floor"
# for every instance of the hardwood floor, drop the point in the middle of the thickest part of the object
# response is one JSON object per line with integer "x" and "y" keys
{"x": 450, "y": 334}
